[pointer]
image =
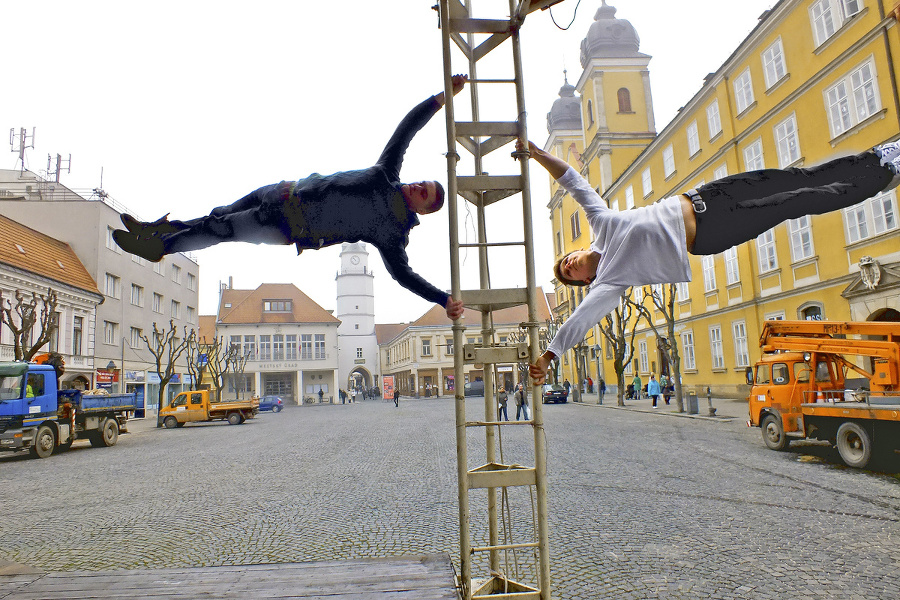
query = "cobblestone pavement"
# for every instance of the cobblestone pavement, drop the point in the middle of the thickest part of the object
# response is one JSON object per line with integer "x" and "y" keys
{"x": 643, "y": 505}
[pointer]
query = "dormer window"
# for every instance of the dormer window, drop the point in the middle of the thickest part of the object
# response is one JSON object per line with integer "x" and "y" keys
{"x": 279, "y": 306}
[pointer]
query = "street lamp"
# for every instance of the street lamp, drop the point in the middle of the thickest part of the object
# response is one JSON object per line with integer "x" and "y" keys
{"x": 111, "y": 366}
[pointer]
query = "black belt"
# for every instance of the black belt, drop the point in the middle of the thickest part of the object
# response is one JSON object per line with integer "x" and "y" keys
{"x": 697, "y": 202}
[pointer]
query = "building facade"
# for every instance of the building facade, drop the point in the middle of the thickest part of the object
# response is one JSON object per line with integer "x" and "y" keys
{"x": 357, "y": 342}
{"x": 33, "y": 263}
{"x": 291, "y": 343}
{"x": 419, "y": 355}
{"x": 136, "y": 293}
{"x": 813, "y": 80}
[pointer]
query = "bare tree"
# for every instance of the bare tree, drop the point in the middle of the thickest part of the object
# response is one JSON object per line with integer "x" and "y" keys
{"x": 663, "y": 297}
{"x": 195, "y": 362}
{"x": 166, "y": 348}
{"x": 614, "y": 329}
{"x": 237, "y": 362}
{"x": 24, "y": 315}
{"x": 217, "y": 363}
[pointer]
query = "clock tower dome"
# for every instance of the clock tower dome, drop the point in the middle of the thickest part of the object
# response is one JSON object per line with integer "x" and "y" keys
{"x": 357, "y": 344}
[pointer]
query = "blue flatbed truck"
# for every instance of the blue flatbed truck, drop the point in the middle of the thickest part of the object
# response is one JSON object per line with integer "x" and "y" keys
{"x": 36, "y": 416}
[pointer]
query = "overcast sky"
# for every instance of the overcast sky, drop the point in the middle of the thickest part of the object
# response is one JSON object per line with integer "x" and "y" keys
{"x": 184, "y": 106}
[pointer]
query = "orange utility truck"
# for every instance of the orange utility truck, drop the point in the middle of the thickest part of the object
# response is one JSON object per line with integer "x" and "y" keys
{"x": 195, "y": 406}
{"x": 799, "y": 387}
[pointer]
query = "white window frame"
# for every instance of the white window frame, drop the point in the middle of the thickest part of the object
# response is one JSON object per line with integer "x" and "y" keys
{"x": 136, "y": 337}
{"x": 800, "y": 231}
{"x": 721, "y": 172}
{"x": 319, "y": 346}
{"x": 426, "y": 347}
{"x": 575, "y": 224}
{"x": 176, "y": 309}
{"x": 110, "y": 333}
{"x": 853, "y": 99}
{"x": 191, "y": 282}
{"x": 629, "y": 197}
{"x": 693, "y": 138}
{"x": 113, "y": 285}
{"x": 111, "y": 242}
{"x": 709, "y": 272}
{"x": 687, "y": 350}
{"x": 787, "y": 142}
{"x": 871, "y": 217}
{"x": 753, "y": 156}
{"x": 176, "y": 274}
{"x": 157, "y": 303}
{"x": 732, "y": 271}
{"x": 743, "y": 91}
{"x": 773, "y": 63}
{"x": 828, "y": 16}
{"x": 137, "y": 295}
{"x": 668, "y": 156}
{"x": 716, "y": 351}
{"x": 647, "y": 182}
{"x": 766, "y": 251}
{"x": 643, "y": 357}
{"x": 741, "y": 350}
{"x": 682, "y": 291}
{"x": 713, "y": 119}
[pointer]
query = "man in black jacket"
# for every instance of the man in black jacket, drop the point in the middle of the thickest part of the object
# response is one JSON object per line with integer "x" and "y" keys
{"x": 369, "y": 205}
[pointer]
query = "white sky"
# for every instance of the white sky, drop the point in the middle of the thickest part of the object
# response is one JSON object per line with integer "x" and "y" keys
{"x": 185, "y": 106}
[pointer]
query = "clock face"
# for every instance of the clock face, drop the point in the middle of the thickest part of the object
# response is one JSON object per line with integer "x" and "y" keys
{"x": 354, "y": 260}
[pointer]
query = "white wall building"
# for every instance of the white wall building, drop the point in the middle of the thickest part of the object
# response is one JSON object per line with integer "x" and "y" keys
{"x": 32, "y": 263}
{"x": 136, "y": 293}
{"x": 291, "y": 341}
{"x": 357, "y": 345}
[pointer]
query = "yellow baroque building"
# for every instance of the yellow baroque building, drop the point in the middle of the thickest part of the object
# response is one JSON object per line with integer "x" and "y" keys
{"x": 815, "y": 79}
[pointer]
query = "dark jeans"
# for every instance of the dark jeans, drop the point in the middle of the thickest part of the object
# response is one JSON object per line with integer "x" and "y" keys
{"x": 522, "y": 409}
{"x": 741, "y": 207}
{"x": 258, "y": 218}
{"x": 503, "y": 415}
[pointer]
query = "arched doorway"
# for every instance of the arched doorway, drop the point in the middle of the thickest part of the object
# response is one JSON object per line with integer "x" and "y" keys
{"x": 359, "y": 380}
{"x": 885, "y": 314}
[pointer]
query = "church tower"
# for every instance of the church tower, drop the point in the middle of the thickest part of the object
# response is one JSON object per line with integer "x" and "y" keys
{"x": 357, "y": 345}
{"x": 614, "y": 88}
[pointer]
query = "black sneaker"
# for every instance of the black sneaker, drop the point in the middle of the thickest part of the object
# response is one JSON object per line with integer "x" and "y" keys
{"x": 144, "y": 230}
{"x": 151, "y": 249}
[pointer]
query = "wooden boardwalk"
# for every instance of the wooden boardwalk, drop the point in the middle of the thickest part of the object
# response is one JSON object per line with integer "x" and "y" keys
{"x": 423, "y": 577}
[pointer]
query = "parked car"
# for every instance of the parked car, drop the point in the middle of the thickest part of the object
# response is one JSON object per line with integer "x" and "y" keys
{"x": 474, "y": 388}
{"x": 553, "y": 392}
{"x": 273, "y": 403}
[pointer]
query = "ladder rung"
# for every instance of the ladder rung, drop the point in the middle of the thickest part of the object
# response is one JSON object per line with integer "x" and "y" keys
{"x": 505, "y": 547}
{"x": 487, "y": 128}
{"x": 494, "y": 299}
{"x": 504, "y": 423}
{"x": 495, "y": 475}
{"x": 479, "y": 183}
{"x": 490, "y": 244}
{"x": 480, "y": 25}
{"x": 495, "y": 355}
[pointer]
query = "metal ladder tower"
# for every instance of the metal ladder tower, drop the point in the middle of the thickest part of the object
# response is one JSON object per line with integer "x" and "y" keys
{"x": 479, "y": 40}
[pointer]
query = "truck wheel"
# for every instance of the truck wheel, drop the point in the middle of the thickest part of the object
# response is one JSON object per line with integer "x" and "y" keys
{"x": 773, "y": 433}
{"x": 854, "y": 445}
{"x": 234, "y": 418}
{"x": 170, "y": 422}
{"x": 44, "y": 442}
{"x": 107, "y": 436}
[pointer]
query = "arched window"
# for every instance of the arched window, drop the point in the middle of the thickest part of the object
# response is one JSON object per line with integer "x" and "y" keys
{"x": 624, "y": 100}
{"x": 811, "y": 312}
{"x": 590, "y": 113}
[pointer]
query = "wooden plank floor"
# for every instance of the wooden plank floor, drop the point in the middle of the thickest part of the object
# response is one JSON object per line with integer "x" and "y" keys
{"x": 423, "y": 577}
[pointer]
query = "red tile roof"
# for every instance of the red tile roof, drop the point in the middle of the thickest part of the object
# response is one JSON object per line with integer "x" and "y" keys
{"x": 24, "y": 248}
{"x": 246, "y": 306}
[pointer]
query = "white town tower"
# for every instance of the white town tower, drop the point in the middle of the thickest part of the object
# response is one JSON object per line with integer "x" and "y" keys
{"x": 358, "y": 364}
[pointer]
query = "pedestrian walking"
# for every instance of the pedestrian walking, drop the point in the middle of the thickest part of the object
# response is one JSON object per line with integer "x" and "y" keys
{"x": 521, "y": 402}
{"x": 321, "y": 395}
{"x": 653, "y": 389}
{"x": 397, "y": 397}
{"x": 638, "y": 386}
{"x": 602, "y": 385}
{"x": 502, "y": 398}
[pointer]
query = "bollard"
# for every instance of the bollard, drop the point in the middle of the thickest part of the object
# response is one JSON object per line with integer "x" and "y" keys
{"x": 712, "y": 411}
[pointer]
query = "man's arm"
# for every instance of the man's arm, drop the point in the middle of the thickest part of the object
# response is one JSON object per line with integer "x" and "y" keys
{"x": 397, "y": 264}
{"x": 568, "y": 178}
{"x": 598, "y": 303}
{"x": 392, "y": 156}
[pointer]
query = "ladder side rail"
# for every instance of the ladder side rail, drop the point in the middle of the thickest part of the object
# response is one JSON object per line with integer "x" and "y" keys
{"x": 540, "y": 450}
{"x": 462, "y": 460}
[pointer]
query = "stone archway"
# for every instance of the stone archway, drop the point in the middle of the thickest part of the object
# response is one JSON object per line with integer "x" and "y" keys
{"x": 885, "y": 314}
{"x": 359, "y": 379}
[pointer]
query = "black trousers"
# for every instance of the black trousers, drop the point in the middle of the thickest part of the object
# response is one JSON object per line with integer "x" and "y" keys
{"x": 258, "y": 218}
{"x": 741, "y": 207}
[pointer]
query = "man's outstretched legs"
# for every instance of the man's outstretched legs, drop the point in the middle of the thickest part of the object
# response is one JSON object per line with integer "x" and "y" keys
{"x": 258, "y": 218}
{"x": 741, "y": 207}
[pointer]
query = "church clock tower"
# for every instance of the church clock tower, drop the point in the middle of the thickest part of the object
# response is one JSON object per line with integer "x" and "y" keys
{"x": 357, "y": 345}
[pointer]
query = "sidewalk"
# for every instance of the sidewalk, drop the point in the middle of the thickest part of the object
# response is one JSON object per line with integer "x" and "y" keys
{"x": 726, "y": 409}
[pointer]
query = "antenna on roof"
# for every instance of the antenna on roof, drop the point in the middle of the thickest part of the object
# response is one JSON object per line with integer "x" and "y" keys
{"x": 23, "y": 138}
